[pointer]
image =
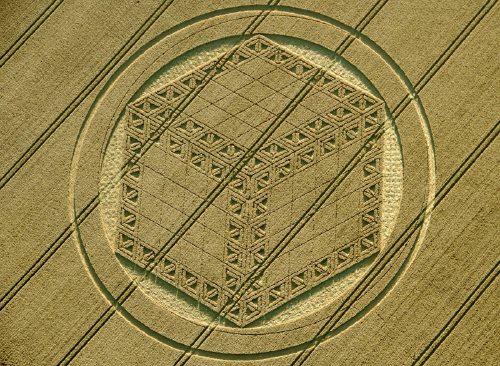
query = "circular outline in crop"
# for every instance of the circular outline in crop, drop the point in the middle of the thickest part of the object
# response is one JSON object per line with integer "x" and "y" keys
{"x": 230, "y": 41}
{"x": 289, "y": 12}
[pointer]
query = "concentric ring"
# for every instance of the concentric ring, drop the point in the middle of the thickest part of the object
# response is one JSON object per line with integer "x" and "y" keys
{"x": 76, "y": 200}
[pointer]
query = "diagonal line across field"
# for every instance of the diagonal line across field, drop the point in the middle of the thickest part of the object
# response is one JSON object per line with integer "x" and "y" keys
{"x": 48, "y": 253}
{"x": 375, "y": 9}
{"x": 77, "y": 101}
{"x": 49, "y": 10}
{"x": 459, "y": 314}
{"x": 441, "y": 60}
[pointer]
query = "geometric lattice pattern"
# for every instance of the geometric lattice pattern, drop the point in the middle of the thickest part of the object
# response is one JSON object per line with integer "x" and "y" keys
{"x": 269, "y": 195}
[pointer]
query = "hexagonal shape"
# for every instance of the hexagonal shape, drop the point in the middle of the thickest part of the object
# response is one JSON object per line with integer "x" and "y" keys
{"x": 198, "y": 142}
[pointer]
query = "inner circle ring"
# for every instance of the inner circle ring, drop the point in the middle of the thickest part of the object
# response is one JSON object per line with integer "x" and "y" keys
{"x": 290, "y": 12}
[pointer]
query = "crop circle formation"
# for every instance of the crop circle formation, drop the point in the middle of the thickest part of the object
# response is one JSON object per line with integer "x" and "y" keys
{"x": 189, "y": 113}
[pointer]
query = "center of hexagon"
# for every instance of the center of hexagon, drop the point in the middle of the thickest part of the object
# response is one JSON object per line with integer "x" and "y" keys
{"x": 199, "y": 145}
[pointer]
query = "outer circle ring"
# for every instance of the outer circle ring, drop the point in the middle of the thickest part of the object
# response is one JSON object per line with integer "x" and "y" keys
{"x": 292, "y": 12}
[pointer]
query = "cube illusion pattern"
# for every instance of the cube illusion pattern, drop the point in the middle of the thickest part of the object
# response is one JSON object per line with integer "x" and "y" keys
{"x": 202, "y": 143}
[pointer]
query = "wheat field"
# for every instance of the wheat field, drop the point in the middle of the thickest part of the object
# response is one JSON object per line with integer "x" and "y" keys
{"x": 276, "y": 182}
